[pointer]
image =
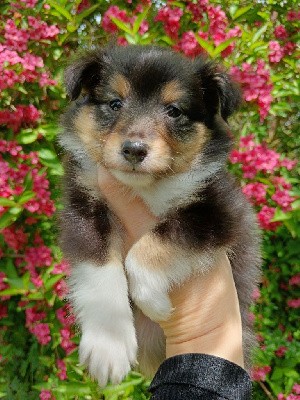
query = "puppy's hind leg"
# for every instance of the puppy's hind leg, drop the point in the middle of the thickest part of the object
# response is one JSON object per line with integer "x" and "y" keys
{"x": 151, "y": 344}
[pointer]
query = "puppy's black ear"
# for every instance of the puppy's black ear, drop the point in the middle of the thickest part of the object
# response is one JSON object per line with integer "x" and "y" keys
{"x": 83, "y": 74}
{"x": 221, "y": 94}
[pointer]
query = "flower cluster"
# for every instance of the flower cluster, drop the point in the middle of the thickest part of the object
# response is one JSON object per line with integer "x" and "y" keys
{"x": 260, "y": 373}
{"x": 295, "y": 395}
{"x": 170, "y": 17}
{"x": 256, "y": 85}
{"x": 15, "y": 176}
{"x": 115, "y": 12}
{"x": 21, "y": 116}
{"x": 258, "y": 160}
{"x": 17, "y": 63}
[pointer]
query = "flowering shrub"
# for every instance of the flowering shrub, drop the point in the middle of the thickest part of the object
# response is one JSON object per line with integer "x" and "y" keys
{"x": 257, "y": 44}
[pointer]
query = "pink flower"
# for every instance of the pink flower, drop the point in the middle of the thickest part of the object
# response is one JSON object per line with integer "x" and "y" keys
{"x": 62, "y": 370}
{"x": 293, "y": 15}
{"x": 61, "y": 268}
{"x": 115, "y": 12}
{"x": 197, "y": 9}
{"x": 256, "y": 85}
{"x": 280, "y": 352}
{"x": 256, "y": 192}
{"x": 288, "y": 164}
{"x": 189, "y": 45}
{"x": 16, "y": 239}
{"x": 3, "y": 311}
{"x": 65, "y": 316}
{"x": 33, "y": 316}
{"x": 289, "y": 48}
{"x": 280, "y": 182}
{"x": 65, "y": 340}
{"x": 276, "y": 53}
{"x": 61, "y": 289}
{"x": 294, "y": 303}
{"x": 83, "y": 6}
{"x": 16, "y": 38}
{"x": 170, "y": 17}
{"x": 265, "y": 216}
{"x": 29, "y": 3}
{"x": 46, "y": 395}
{"x": 217, "y": 20}
{"x": 295, "y": 280}
{"x": 283, "y": 199}
{"x": 280, "y": 32}
{"x": 259, "y": 373}
{"x": 42, "y": 332}
{"x": 255, "y": 294}
{"x": 296, "y": 388}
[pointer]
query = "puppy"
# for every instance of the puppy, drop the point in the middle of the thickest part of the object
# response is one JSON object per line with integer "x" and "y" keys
{"x": 158, "y": 122}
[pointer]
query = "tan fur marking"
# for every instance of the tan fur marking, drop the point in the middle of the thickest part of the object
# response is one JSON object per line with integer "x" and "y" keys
{"x": 120, "y": 85}
{"x": 171, "y": 92}
{"x": 87, "y": 131}
{"x": 157, "y": 253}
{"x": 186, "y": 152}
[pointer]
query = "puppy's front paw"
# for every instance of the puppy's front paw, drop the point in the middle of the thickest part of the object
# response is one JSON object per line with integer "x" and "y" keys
{"x": 148, "y": 290}
{"x": 108, "y": 358}
{"x": 154, "y": 303}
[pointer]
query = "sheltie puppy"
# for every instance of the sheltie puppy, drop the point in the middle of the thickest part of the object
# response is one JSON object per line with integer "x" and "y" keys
{"x": 157, "y": 121}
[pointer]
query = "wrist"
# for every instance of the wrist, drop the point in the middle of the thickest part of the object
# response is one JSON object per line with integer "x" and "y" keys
{"x": 223, "y": 341}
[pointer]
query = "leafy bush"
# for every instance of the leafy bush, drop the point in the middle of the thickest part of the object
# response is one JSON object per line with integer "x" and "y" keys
{"x": 256, "y": 41}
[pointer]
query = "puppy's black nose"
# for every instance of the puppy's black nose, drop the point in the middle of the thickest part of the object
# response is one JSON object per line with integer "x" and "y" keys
{"x": 134, "y": 152}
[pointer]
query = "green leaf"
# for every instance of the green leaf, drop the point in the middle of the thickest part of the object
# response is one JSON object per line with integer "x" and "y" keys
{"x": 241, "y": 11}
{"x": 84, "y": 14}
{"x": 121, "y": 25}
{"x": 12, "y": 292}
{"x": 205, "y": 45}
{"x": 9, "y": 217}
{"x": 52, "y": 281}
{"x": 50, "y": 159}
{"x": 6, "y": 202}
{"x": 25, "y": 196}
{"x": 259, "y": 33}
{"x": 222, "y": 46}
{"x": 27, "y": 136}
{"x": 130, "y": 39}
{"x": 60, "y": 9}
{"x": 139, "y": 20}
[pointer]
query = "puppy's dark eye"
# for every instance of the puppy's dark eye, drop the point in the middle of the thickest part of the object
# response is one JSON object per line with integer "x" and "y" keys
{"x": 173, "y": 111}
{"x": 115, "y": 104}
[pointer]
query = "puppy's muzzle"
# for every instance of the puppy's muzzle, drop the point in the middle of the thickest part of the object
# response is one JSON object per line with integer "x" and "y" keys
{"x": 134, "y": 152}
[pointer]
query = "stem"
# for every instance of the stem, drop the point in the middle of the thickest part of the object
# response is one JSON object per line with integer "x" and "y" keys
{"x": 268, "y": 393}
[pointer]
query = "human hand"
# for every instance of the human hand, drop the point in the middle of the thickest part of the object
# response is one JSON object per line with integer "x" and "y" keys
{"x": 206, "y": 317}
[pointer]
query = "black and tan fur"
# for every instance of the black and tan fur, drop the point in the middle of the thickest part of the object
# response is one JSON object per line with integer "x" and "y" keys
{"x": 174, "y": 111}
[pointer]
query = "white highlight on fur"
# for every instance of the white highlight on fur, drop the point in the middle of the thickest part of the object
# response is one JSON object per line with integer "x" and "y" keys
{"x": 100, "y": 297}
{"x": 177, "y": 189}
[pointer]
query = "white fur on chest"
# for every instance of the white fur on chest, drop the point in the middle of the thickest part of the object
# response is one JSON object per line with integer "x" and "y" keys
{"x": 176, "y": 190}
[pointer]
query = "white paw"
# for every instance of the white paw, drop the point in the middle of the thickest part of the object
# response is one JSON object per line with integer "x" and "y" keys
{"x": 108, "y": 358}
{"x": 154, "y": 303}
{"x": 148, "y": 289}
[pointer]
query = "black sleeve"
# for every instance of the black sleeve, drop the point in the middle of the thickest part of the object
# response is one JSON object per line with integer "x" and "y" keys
{"x": 200, "y": 376}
